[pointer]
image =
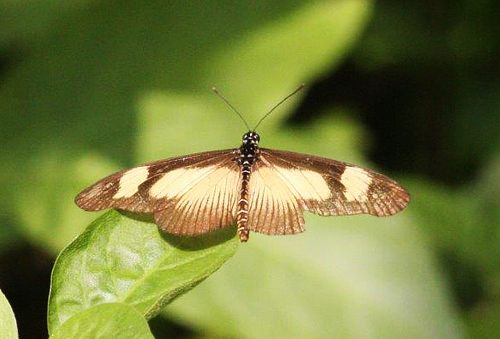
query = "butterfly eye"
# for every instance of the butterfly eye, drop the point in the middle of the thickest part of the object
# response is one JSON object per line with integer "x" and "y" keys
{"x": 248, "y": 137}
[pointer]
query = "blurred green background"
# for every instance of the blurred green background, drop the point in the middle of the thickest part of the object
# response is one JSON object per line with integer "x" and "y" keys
{"x": 409, "y": 88}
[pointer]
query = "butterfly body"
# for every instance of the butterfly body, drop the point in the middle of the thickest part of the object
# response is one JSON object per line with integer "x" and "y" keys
{"x": 249, "y": 152}
{"x": 259, "y": 189}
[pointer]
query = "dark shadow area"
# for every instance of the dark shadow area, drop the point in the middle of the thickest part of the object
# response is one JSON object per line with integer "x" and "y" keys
{"x": 143, "y": 217}
{"x": 465, "y": 279}
{"x": 188, "y": 243}
{"x": 403, "y": 140}
{"x": 200, "y": 242}
{"x": 164, "y": 328}
{"x": 25, "y": 280}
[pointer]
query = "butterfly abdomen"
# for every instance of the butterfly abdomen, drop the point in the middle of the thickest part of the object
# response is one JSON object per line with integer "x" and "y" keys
{"x": 242, "y": 216}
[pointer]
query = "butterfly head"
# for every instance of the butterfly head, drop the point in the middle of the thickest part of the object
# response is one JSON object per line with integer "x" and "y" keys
{"x": 251, "y": 139}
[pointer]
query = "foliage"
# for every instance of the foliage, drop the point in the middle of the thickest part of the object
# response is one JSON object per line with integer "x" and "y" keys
{"x": 87, "y": 88}
{"x": 109, "y": 320}
{"x": 121, "y": 259}
{"x": 8, "y": 327}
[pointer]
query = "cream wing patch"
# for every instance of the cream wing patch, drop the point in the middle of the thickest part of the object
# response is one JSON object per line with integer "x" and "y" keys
{"x": 303, "y": 184}
{"x": 357, "y": 183}
{"x": 192, "y": 181}
{"x": 217, "y": 189}
{"x": 178, "y": 181}
{"x": 130, "y": 181}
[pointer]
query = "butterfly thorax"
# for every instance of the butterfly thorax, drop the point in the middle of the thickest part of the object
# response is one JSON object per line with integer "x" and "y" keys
{"x": 249, "y": 152}
{"x": 249, "y": 148}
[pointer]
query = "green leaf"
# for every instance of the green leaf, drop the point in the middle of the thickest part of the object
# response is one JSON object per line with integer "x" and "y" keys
{"x": 122, "y": 259}
{"x": 113, "y": 320}
{"x": 345, "y": 277}
{"x": 8, "y": 326}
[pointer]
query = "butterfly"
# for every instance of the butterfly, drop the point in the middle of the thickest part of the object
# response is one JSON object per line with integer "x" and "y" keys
{"x": 261, "y": 190}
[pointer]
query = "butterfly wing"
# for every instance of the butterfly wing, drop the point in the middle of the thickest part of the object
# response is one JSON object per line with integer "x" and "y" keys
{"x": 284, "y": 184}
{"x": 187, "y": 195}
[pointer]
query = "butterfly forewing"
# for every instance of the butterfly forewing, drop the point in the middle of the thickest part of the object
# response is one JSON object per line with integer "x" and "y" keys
{"x": 285, "y": 183}
{"x": 188, "y": 195}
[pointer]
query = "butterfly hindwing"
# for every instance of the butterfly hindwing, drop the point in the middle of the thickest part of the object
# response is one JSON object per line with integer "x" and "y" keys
{"x": 283, "y": 184}
{"x": 273, "y": 208}
{"x": 188, "y": 195}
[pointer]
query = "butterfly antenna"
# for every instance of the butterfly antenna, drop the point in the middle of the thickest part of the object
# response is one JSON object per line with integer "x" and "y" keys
{"x": 279, "y": 103}
{"x": 216, "y": 91}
